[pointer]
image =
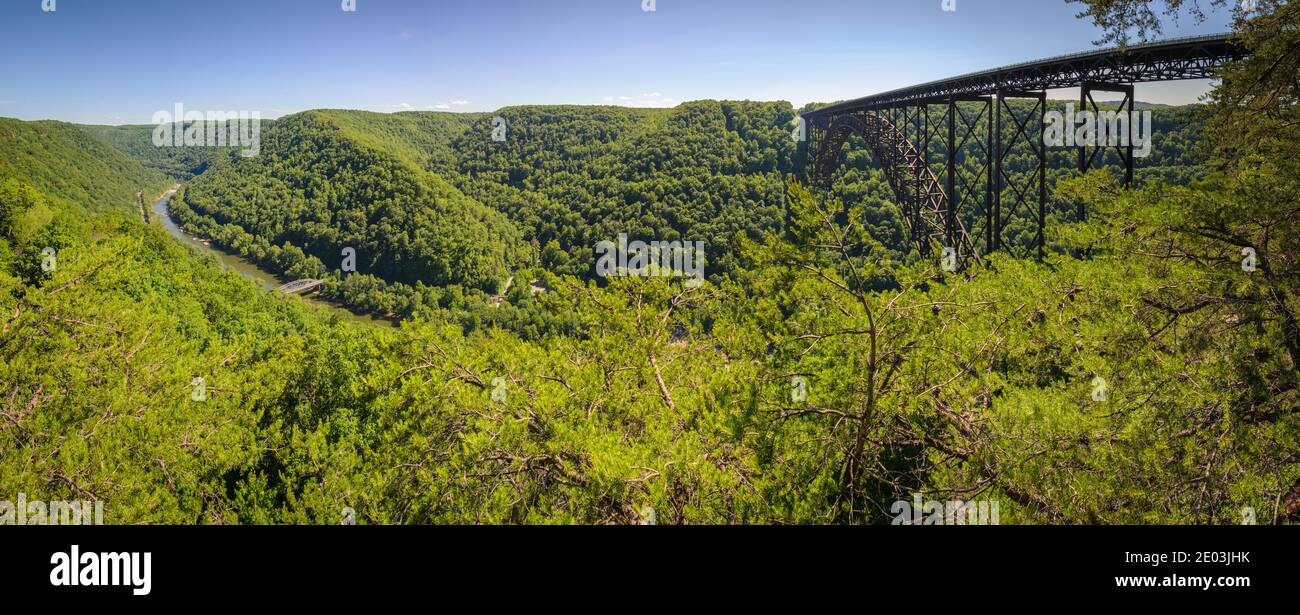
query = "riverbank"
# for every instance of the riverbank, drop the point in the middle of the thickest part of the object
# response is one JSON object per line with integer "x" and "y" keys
{"x": 245, "y": 268}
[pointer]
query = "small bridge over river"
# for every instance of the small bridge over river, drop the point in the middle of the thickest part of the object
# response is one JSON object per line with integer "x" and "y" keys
{"x": 921, "y": 135}
{"x": 300, "y": 286}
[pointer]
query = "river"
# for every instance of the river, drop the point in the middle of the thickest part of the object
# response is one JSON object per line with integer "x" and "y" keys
{"x": 228, "y": 261}
{"x": 242, "y": 266}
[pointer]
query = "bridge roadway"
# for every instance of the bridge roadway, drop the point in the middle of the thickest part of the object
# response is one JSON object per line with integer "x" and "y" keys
{"x": 1171, "y": 60}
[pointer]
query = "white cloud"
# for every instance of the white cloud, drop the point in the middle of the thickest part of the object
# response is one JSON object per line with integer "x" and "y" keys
{"x": 445, "y": 105}
{"x": 648, "y": 99}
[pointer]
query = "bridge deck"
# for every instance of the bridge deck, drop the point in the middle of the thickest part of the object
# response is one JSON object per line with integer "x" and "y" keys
{"x": 1170, "y": 60}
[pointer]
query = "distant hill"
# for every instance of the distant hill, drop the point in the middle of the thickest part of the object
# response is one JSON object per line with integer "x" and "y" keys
{"x": 318, "y": 187}
{"x": 1137, "y": 104}
{"x": 66, "y": 162}
{"x": 433, "y": 199}
{"x": 571, "y": 176}
{"x": 137, "y": 141}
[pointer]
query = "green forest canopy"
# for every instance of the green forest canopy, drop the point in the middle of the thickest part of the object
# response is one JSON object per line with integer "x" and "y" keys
{"x": 639, "y": 392}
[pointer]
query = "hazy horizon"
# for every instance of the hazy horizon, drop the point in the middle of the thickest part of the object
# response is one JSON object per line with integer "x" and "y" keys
{"x": 398, "y": 56}
{"x": 1138, "y": 101}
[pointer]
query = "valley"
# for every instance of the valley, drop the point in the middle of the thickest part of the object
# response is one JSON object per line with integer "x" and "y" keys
{"x": 691, "y": 311}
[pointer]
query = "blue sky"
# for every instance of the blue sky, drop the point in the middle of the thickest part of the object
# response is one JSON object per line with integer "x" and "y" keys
{"x": 119, "y": 61}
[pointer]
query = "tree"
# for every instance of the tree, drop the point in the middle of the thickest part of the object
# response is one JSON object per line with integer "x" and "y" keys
{"x": 16, "y": 199}
{"x": 1258, "y": 96}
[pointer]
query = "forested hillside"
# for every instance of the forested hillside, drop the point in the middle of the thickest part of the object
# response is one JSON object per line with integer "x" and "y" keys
{"x": 315, "y": 190}
{"x": 66, "y": 163}
{"x": 137, "y": 141}
{"x": 139, "y": 374}
{"x": 53, "y": 176}
{"x": 565, "y": 178}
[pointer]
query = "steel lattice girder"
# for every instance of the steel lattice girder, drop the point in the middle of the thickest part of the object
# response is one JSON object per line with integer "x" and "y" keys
{"x": 906, "y": 169}
{"x": 1023, "y": 189}
{"x": 885, "y": 119}
{"x": 1187, "y": 58}
{"x": 1088, "y": 154}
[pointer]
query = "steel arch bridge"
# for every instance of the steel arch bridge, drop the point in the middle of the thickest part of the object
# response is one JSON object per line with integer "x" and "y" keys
{"x": 918, "y": 135}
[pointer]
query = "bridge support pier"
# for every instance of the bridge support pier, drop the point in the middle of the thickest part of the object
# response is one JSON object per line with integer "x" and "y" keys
{"x": 954, "y": 202}
{"x": 956, "y": 129}
{"x": 1027, "y": 129}
{"x": 1088, "y": 153}
{"x": 965, "y": 143}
